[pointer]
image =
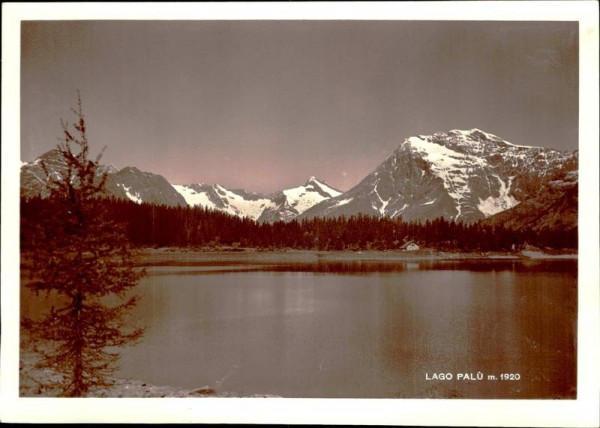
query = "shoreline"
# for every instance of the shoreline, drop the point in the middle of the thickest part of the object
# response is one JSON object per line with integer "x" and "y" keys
{"x": 177, "y": 256}
{"x": 33, "y": 379}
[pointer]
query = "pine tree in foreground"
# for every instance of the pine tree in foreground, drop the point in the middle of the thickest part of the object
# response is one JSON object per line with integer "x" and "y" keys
{"x": 83, "y": 261}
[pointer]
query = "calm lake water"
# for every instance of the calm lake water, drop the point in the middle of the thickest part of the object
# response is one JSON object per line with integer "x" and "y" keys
{"x": 358, "y": 329}
{"x": 361, "y": 329}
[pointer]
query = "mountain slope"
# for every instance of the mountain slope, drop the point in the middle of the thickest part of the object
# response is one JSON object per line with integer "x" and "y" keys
{"x": 459, "y": 175}
{"x": 214, "y": 196}
{"x": 553, "y": 207}
{"x": 282, "y": 206}
{"x": 128, "y": 183}
{"x": 139, "y": 186}
{"x": 292, "y": 202}
{"x": 33, "y": 178}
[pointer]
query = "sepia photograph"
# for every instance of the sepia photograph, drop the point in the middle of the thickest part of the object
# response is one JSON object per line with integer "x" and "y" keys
{"x": 274, "y": 209}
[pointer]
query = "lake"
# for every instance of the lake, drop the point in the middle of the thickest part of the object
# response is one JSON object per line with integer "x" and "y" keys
{"x": 361, "y": 329}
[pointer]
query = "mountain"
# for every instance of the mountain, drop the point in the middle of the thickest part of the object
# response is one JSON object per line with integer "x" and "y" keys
{"x": 140, "y": 186}
{"x": 33, "y": 177}
{"x": 459, "y": 175}
{"x": 127, "y": 183}
{"x": 216, "y": 197}
{"x": 553, "y": 207}
{"x": 281, "y": 206}
{"x": 290, "y": 203}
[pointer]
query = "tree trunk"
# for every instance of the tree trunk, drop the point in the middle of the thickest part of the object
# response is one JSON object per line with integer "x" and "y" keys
{"x": 79, "y": 386}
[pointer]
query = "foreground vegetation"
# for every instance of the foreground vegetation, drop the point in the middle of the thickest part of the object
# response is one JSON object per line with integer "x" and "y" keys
{"x": 77, "y": 252}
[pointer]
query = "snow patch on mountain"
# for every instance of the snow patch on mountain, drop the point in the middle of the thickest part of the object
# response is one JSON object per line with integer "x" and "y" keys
{"x": 216, "y": 197}
{"x": 311, "y": 193}
{"x": 331, "y": 192}
{"x": 383, "y": 203}
{"x": 493, "y": 205}
{"x": 343, "y": 202}
{"x": 290, "y": 203}
{"x": 240, "y": 206}
{"x": 135, "y": 197}
{"x": 450, "y": 165}
{"x": 462, "y": 175}
{"x": 470, "y": 134}
{"x": 194, "y": 198}
{"x": 301, "y": 199}
{"x": 399, "y": 212}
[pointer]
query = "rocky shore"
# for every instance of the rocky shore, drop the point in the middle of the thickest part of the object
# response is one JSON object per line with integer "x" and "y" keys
{"x": 34, "y": 382}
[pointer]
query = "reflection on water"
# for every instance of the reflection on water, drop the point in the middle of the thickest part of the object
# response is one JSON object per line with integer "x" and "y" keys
{"x": 366, "y": 266}
{"x": 361, "y": 329}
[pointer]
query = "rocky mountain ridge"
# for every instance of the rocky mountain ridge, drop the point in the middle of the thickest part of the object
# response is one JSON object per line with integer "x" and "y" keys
{"x": 139, "y": 186}
{"x": 126, "y": 183}
{"x": 459, "y": 175}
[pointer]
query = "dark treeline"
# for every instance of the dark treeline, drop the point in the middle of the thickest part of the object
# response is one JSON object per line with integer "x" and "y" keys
{"x": 153, "y": 225}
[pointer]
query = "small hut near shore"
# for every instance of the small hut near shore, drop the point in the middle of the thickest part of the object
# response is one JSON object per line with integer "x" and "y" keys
{"x": 410, "y": 246}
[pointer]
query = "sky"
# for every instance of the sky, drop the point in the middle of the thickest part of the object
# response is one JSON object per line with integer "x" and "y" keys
{"x": 264, "y": 105}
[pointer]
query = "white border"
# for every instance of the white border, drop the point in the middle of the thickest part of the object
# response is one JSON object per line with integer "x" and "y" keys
{"x": 581, "y": 412}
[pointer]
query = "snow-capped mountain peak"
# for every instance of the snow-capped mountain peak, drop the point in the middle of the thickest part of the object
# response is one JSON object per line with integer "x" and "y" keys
{"x": 216, "y": 197}
{"x": 281, "y": 206}
{"x": 131, "y": 183}
{"x": 127, "y": 183}
{"x": 311, "y": 193}
{"x": 321, "y": 187}
{"x": 461, "y": 175}
{"x": 34, "y": 180}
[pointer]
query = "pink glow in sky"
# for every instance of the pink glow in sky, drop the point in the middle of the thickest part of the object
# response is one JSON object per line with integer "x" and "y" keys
{"x": 263, "y": 105}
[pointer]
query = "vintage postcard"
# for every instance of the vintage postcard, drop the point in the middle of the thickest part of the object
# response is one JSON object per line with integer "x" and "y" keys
{"x": 356, "y": 213}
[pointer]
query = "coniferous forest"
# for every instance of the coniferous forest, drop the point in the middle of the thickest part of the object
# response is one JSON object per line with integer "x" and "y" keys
{"x": 150, "y": 225}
